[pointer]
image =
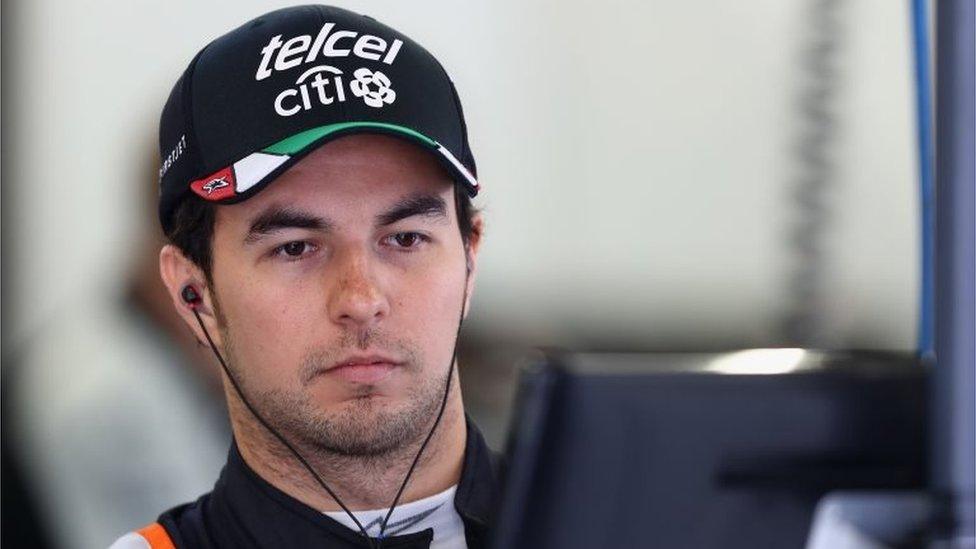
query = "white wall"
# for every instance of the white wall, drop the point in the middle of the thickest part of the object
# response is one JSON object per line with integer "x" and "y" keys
{"x": 636, "y": 159}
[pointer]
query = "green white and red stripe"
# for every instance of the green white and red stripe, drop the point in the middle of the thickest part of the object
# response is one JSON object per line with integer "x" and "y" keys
{"x": 251, "y": 170}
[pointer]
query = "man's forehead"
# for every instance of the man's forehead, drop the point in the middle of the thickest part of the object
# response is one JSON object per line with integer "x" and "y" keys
{"x": 325, "y": 211}
{"x": 352, "y": 206}
{"x": 431, "y": 208}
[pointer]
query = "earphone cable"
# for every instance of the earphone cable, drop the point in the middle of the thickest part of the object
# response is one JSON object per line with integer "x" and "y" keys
{"x": 440, "y": 414}
{"x": 278, "y": 435}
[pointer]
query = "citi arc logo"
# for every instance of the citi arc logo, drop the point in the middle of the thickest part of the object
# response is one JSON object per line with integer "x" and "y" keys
{"x": 324, "y": 84}
{"x": 319, "y": 80}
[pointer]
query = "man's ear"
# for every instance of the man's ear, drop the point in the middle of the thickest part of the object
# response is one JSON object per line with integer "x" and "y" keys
{"x": 178, "y": 271}
{"x": 471, "y": 257}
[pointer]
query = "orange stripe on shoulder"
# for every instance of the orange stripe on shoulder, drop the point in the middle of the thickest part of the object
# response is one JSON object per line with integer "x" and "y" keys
{"x": 157, "y": 537}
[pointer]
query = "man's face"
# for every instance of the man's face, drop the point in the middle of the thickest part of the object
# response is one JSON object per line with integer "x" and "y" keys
{"x": 338, "y": 290}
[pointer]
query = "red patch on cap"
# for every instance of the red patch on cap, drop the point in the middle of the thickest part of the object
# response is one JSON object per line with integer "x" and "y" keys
{"x": 216, "y": 186}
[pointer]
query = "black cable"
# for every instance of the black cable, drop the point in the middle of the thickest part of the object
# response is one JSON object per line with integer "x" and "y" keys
{"x": 440, "y": 413}
{"x": 450, "y": 375}
{"x": 278, "y": 435}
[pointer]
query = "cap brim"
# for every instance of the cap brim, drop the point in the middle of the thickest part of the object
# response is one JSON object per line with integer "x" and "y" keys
{"x": 249, "y": 175}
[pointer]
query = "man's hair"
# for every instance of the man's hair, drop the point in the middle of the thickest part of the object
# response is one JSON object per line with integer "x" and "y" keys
{"x": 193, "y": 227}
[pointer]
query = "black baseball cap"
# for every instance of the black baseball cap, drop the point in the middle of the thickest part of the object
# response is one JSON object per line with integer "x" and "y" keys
{"x": 256, "y": 100}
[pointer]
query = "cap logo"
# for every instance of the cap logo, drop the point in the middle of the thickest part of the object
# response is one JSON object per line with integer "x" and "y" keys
{"x": 174, "y": 154}
{"x": 323, "y": 84}
{"x": 302, "y": 50}
{"x": 214, "y": 184}
{"x": 373, "y": 87}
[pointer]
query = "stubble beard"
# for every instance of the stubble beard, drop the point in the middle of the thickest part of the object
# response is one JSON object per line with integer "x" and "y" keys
{"x": 363, "y": 427}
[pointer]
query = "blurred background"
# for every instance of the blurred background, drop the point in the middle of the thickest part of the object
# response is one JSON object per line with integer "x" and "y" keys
{"x": 657, "y": 175}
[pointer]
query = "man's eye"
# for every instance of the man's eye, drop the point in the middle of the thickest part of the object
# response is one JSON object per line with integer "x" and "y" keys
{"x": 294, "y": 249}
{"x": 408, "y": 240}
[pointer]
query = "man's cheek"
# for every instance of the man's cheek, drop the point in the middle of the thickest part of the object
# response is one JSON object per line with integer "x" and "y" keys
{"x": 430, "y": 313}
{"x": 271, "y": 308}
{"x": 441, "y": 312}
{"x": 265, "y": 343}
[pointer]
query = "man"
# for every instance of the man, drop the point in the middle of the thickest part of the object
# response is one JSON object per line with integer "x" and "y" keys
{"x": 315, "y": 186}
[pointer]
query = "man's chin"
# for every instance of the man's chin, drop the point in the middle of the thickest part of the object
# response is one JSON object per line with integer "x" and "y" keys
{"x": 363, "y": 405}
{"x": 363, "y": 420}
{"x": 366, "y": 425}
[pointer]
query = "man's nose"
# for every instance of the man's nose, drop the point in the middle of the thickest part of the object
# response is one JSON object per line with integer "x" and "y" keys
{"x": 356, "y": 299}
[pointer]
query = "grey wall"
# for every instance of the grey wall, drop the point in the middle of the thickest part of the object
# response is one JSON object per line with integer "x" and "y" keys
{"x": 637, "y": 160}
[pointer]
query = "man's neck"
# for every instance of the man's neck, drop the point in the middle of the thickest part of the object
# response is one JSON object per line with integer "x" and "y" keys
{"x": 361, "y": 483}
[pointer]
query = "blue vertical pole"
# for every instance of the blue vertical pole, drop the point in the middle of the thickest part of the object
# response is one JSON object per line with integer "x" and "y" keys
{"x": 923, "y": 109}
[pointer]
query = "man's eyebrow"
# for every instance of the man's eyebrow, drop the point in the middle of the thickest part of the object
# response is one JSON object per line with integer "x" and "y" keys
{"x": 427, "y": 205}
{"x": 277, "y": 218}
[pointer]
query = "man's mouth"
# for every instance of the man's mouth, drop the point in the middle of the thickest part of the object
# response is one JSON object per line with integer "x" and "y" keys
{"x": 363, "y": 368}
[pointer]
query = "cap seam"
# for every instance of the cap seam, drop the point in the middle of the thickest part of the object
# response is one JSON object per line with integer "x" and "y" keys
{"x": 323, "y": 18}
{"x": 454, "y": 96}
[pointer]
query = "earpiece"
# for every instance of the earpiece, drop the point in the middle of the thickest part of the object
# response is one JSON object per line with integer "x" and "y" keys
{"x": 190, "y": 296}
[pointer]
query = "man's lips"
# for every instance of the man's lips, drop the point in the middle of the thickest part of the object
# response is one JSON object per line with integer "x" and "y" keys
{"x": 363, "y": 369}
